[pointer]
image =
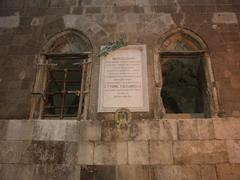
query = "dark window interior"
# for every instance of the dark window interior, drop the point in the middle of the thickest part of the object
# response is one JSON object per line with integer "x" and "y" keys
{"x": 183, "y": 84}
{"x": 63, "y": 88}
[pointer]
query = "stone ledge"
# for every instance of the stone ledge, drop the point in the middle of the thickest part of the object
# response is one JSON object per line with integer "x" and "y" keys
{"x": 88, "y": 130}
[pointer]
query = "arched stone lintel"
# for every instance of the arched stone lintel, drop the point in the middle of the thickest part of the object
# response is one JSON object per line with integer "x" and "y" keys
{"x": 182, "y": 30}
{"x": 76, "y": 24}
{"x": 58, "y": 35}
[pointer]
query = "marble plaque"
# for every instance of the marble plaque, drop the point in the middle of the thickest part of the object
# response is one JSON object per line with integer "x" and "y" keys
{"x": 123, "y": 80}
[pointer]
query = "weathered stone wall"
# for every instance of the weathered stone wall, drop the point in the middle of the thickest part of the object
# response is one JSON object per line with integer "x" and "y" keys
{"x": 25, "y": 26}
{"x": 198, "y": 149}
{"x": 191, "y": 149}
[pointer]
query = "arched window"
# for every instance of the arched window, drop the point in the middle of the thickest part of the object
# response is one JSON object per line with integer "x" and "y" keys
{"x": 63, "y": 78}
{"x": 186, "y": 76}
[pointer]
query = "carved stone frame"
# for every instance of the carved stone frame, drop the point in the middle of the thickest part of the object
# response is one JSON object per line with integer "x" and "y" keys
{"x": 211, "y": 84}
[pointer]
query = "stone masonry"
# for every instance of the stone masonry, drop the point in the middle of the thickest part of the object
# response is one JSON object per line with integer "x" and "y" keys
{"x": 194, "y": 149}
{"x": 150, "y": 148}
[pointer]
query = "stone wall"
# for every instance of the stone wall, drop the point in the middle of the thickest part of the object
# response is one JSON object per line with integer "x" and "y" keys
{"x": 150, "y": 148}
{"x": 198, "y": 149}
{"x": 26, "y": 26}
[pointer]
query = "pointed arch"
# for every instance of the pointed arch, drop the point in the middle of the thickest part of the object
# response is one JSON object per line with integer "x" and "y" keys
{"x": 68, "y": 41}
{"x": 191, "y": 39}
{"x": 62, "y": 82}
{"x": 185, "y": 75}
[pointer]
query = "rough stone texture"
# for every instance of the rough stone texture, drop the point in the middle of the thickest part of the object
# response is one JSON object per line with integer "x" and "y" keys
{"x": 133, "y": 172}
{"x": 47, "y": 152}
{"x": 143, "y": 21}
{"x": 72, "y": 131}
{"x": 200, "y": 152}
{"x": 10, "y": 21}
{"x": 208, "y": 172}
{"x": 13, "y": 171}
{"x": 85, "y": 153}
{"x": 163, "y": 130}
{"x": 227, "y": 128}
{"x": 109, "y": 132}
{"x": 3, "y": 127}
{"x": 138, "y": 152}
{"x": 15, "y": 126}
{"x": 49, "y": 129}
{"x": 150, "y": 148}
{"x": 196, "y": 129}
{"x": 90, "y": 131}
{"x": 233, "y": 147}
{"x": 110, "y": 153}
{"x": 227, "y": 171}
{"x": 11, "y": 151}
{"x": 176, "y": 172}
{"x": 161, "y": 152}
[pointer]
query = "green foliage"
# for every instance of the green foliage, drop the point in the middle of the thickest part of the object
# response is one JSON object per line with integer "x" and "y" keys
{"x": 121, "y": 42}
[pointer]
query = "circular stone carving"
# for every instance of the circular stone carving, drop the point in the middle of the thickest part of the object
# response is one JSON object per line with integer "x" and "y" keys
{"x": 123, "y": 117}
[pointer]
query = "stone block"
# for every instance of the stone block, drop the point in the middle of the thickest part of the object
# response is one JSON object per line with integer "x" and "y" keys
{"x": 9, "y": 21}
{"x": 72, "y": 131}
{"x": 131, "y": 172}
{"x": 56, "y": 171}
{"x": 225, "y": 18}
{"x": 98, "y": 172}
{"x": 126, "y": 3}
{"x": 140, "y": 130}
{"x": 208, "y": 172}
{"x": 90, "y": 130}
{"x": 110, "y": 153}
{"x": 19, "y": 130}
{"x": 195, "y": 129}
{"x": 85, "y": 153}
{"x": 47, "y": 152}
{"x": 40, "y": 171}
{"x": 228, "y": 172}
{"x": 176, "y": 172}
{"x": 93, "y": 10}
{"x": 163, "y": 130}
{"x": 227, "y": 128}
{"x": 200, "y": 152}
{"x": 143, "y": 2}
{"x": 235, "y": 80}
{"x": 10, "y": 151}
{"x": 63, "y": 172}
{"x": 138, "y": 152}
{"x": 233, "y": 147}
{"x": 70, "y": 153}
{"x": 16, "y": 171}
{"x": 109, "y": 132}
{"x": 62, "y": 3}
{"x": 3, "y": 128}
{"x": 46, "y": 130}
{"x": 160, "y": 152}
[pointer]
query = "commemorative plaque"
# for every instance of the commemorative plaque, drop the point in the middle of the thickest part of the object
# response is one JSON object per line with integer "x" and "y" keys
{"x": 123, "y": 80}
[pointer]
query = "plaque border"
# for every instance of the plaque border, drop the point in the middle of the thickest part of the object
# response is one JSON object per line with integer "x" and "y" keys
{"x": 145, "y": 107}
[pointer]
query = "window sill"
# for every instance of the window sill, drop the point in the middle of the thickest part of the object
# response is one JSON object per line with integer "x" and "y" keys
{"x": 184, "y": 115}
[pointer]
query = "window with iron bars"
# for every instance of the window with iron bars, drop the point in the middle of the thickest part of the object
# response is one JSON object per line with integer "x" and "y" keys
{"x": 62, "y": 86}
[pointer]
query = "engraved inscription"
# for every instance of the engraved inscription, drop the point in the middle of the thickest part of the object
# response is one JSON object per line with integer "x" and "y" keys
{"x": 123, "y": 80}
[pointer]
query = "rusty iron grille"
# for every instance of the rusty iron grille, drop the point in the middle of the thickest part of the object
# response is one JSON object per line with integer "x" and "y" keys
{"x": 63, "y": 88}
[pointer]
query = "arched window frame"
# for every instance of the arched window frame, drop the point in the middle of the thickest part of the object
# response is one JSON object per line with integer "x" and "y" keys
{"x": 203, "y": 52}
{"x": 39, "y": 90}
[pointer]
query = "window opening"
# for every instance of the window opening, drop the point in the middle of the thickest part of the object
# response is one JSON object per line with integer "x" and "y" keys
{"x": 183, "y": 83}
{"x": 186, "y": 80}
{"x": 63, "y": 89}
